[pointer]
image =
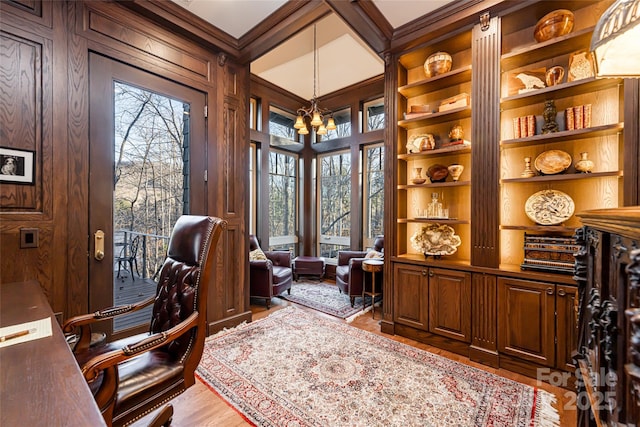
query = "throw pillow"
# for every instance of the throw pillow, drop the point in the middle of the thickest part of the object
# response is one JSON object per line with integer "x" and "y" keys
{"x": 256, "y": 255}
{"x": 374, "y": 254}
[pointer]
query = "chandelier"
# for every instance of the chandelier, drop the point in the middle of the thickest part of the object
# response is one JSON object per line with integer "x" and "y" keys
{"x": 314, "y": 112}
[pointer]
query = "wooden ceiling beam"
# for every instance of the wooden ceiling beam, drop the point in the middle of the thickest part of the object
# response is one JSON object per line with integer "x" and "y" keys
{"x": 366, "y": 20}
{"x": 293, "y": 17}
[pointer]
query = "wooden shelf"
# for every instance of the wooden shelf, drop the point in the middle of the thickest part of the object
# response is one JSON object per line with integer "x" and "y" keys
{"x": 563, "y": 90}
{"x": 540, "y": 228}
{"x": 591, "y": 132}
{"x": 453, "y": 77}
{"x": 564, "y": 177}
{"x": 434, "y": 220}
{"x": 438, "y": 152}
{"x": 435, "y": 118}
{"x": 435, "y": 185}
{"x": 545, "y": 50}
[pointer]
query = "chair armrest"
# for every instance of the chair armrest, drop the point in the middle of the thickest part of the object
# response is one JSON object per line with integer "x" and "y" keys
{"x": 84, "y": 321}
{"x": 92, "y": 369}
{"x": 345, "y": 256}
{"x": 356, "y": 263}
{"x": 261, "y": 264}
{"x": 282, "y": 258}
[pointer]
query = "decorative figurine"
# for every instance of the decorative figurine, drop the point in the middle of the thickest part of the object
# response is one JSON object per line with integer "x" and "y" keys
{"x": 549, "y": 115}
{"x": 456, "y": 133}
{"x": 527, "y": 172}
{"x": 584, "y": 165}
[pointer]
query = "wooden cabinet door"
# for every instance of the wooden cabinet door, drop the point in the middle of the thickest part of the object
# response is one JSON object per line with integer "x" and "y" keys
{"x": 566, "y": 326}
{"x": 450, "y": 304}
{"x": 411, "y": 299}
{"x": 526, "y": 326}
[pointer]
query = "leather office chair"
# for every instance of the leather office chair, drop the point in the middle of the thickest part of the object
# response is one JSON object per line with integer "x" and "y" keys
{"x": 133, "y": 376}
{"x": 349, "y": 274}
{"x": 269, "y": 277}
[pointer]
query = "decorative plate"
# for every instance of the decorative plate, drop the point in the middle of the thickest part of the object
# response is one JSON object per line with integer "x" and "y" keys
{"x": 436, "y": 239}
{"x": 552, "y": 162}
{"x": 438, "y": 173}
{"x": 549, "y": 207}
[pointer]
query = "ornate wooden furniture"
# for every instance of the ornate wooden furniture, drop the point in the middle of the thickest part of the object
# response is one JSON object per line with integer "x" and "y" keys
{"x": 133, "y": 376}
{"x": 608, "y": 355}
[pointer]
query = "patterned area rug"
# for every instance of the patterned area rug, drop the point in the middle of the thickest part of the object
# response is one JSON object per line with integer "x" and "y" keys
{"x": 294, "y": 368}
{"x": 326, "y": 298}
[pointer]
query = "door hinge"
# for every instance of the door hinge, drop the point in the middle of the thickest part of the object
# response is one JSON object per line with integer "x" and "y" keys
{"x": 206, "y": 111}
{"x": 555, "y": 340}
{"x": 206, "y": 175}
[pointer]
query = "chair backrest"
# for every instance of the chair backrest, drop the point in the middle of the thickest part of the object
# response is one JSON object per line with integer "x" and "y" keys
{"x": 378, "y": 244}
{"x": 135, "y": 242}
{"x": 184, "y": 279}
{"x": 253, "y": 242}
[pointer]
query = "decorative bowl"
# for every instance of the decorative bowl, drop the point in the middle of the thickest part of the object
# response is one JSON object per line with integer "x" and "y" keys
{"x": 551, "y": 162}
{"x": 438, "y": 173}
{"x": 455, "y": 171}
{"x": 553, "y": 24}
{"x": 436, "y": 240}
{"x": 438, "y": 63}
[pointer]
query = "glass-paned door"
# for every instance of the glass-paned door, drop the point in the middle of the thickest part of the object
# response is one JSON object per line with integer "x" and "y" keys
{"x": 147, "y": 140}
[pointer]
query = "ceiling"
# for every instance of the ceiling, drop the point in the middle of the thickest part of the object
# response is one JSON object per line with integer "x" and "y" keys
{"x": 342, "y": 57}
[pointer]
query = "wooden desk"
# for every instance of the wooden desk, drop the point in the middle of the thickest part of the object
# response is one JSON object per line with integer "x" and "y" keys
{"x": 40, "y": 380}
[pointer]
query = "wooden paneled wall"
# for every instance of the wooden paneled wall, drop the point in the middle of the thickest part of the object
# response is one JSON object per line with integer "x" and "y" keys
{"x": 44, "y": 53}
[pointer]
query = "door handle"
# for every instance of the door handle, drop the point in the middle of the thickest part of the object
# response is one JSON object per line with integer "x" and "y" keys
{"x": 98, "y": 239}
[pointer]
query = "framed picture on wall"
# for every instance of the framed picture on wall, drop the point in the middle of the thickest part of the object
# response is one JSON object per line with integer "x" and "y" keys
{"x": 17, "y": 166}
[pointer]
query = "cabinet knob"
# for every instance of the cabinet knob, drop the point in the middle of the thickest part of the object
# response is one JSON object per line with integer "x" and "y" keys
{"x": 562, "y": 292}
{"x": 549, "y": 291}
{"x": 430, "y": 273}
{"x": 424, "y": 272}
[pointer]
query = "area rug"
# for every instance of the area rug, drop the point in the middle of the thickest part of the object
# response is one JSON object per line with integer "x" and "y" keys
{"x": 296, "y": 368}
{"x": 326, "y": 298}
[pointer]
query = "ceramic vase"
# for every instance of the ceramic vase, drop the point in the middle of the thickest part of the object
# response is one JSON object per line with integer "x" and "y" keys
{"x": 455, "y": 171}
{"x": 584, "y": 165}
{"x": 417, "y": 176}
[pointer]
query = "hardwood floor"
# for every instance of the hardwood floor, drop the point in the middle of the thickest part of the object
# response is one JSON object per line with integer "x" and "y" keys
{"x": 199, "y": 406}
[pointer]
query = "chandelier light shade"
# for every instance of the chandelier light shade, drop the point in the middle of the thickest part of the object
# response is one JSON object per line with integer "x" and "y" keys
{"x": 314, "y": 113}
{"x": 616, "y": 41}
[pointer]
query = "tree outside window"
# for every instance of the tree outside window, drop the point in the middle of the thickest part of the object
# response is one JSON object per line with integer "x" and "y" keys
{"x": 334, "y": 220}
{"x": 373, "y": 193}
{"x": 283, "y": 206}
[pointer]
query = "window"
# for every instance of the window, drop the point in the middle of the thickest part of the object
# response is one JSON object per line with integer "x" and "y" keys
{"x": 253, "y": 186}
{"x": 281, "y": 126}
{"x": 373, "y": 192}
{"x": 253, "y": 113}
{"x": 343, "y": 125}
{"x": 283, "y": 203}
{"x": 373, "y": 115}
{"x": 334, "y": 215}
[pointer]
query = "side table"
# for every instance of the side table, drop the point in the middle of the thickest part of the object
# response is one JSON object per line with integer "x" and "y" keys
{"x": 372, "y": 266}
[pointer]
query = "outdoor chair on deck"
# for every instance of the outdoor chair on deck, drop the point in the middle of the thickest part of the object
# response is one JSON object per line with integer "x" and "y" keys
{"x": 131, "y": 377}
{"x": 128, "y": 257}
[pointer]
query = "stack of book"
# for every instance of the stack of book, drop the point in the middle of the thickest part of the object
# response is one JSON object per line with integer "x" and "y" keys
{"x": 553, "y": 254}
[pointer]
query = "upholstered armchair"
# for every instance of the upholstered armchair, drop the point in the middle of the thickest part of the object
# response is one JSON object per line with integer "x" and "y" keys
{"x": 131, "y": 377}
{"x": 270, "y": 272}
{"x": 349, "y": 275}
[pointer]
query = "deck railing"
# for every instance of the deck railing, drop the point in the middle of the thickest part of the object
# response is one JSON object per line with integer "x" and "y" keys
{"x": 151, "y": 252}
